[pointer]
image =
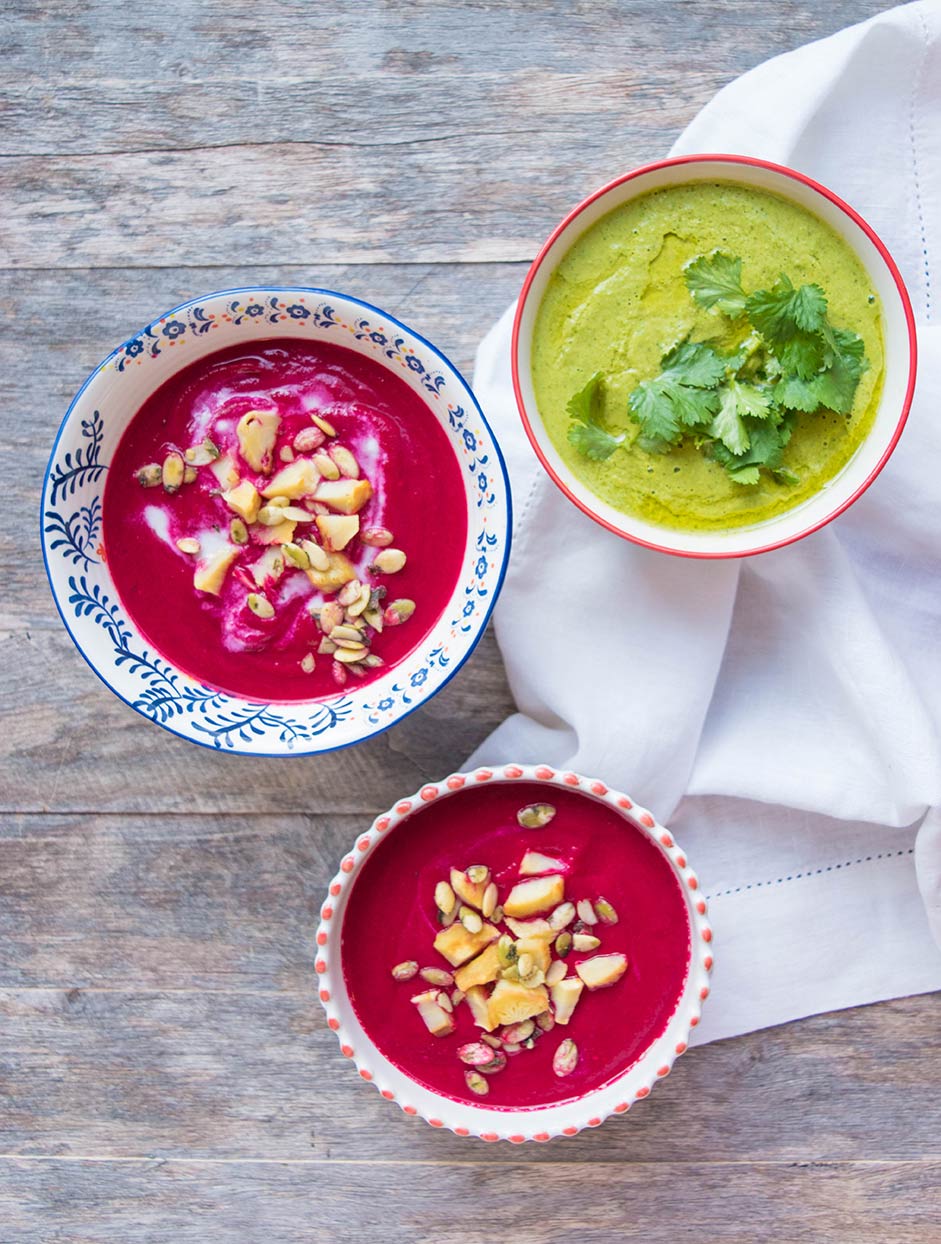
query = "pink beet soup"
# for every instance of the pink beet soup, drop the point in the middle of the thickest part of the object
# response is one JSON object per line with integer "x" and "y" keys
{"x": 271, "y": 647}
{"x": 391, "y": 918}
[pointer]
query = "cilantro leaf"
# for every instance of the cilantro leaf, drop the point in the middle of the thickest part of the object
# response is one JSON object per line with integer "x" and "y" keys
{"x": 728, "y": 424}
{"x": 838, "y": 383}
{"x": 792, "y": 323}
{"x": 750, "y": 400}
{"x": 716, "y": 281}
{"x": 593, "y": 442}
{"x": 695, "y": 363}
{"x": 585, "y": 405}
{"x": 651, "y": 406}
{"x": 745, "y": 475}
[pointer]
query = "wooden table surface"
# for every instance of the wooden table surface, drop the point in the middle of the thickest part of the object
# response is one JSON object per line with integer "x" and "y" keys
{"x": 165, "y": 1071}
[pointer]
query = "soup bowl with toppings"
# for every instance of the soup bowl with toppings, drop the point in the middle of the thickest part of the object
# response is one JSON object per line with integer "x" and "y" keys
{"x": 275, "y": 520}
{"x": 713, "y": 356}
{"x": 514, "y": 953}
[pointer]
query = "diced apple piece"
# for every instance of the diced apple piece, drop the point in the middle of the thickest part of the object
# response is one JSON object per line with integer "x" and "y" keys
{"x": 281, "y": 533}
{"x": 211, "y": 571}
{"x": 337, "y": 530}
{"x": 538, "y": 948}
{"x": 602, "y": 970}
{"x": 438, "y": 1021}
{"x": 340, "y": 571}
{"x": 269, "y": 566}
{"x": 530, "y": 928}
{"x": 225, "y": 471}
{"x": 565, "y": 994}
{"x": 457, "y": 945}
{"x": 244, "y": 500}
{"x": 476, "y": 998}
{"x": 346, "y": 496}
{"x": 469, "y": 892}
{"x": 298, "y": 479}
{"x": 534, "y": 862}
{"x": 480, "y": 971}
{"x": 510, "y": 1002}
{"x": 529, "y": 897}
{"x": 257, "y": 431}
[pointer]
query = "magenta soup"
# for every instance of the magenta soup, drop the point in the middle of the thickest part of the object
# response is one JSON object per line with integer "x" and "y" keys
{"x": 392, "y": 920}
{"x": 245, "y": 598}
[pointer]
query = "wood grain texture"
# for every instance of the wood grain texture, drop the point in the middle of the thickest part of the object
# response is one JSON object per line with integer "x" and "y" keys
{"x": 165, "y": 1072}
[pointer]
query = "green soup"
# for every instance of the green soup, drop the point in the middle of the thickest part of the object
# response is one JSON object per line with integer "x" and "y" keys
{"x": 618, "y": 301}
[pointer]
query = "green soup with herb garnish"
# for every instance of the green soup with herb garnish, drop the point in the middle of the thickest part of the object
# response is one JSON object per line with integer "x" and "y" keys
{"x": 708, "y": 356}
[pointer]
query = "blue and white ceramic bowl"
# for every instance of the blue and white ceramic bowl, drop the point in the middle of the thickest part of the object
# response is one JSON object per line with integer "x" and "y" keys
{"x": 84, "y": 591}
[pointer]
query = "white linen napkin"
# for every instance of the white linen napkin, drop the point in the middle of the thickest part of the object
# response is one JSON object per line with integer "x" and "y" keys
{"x": 782, "y": 712}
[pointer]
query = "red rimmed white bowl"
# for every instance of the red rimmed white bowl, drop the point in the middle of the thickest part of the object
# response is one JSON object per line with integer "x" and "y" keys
{"x": 539, "y": 1123}
{"x": 900, "y": 354}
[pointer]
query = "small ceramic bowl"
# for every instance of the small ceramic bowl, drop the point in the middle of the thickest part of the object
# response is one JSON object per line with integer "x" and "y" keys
{"x": 900, "y": 354}
{"x": 540, "y": 1123}
{"x": 84, "y": 592}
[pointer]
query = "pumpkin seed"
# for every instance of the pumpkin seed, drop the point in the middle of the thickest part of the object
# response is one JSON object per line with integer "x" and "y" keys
{"x": 308, "y": 664}
{"x": 497, "y": 1063}
{"x": 585, "y": 941}
{"x": 586, "y": 913}
{"x": 326, "y": 466}
{"x": 238, "y": 532}
{"x": 563, "y": 944}
{"x": 436, "y": 976}
{"x": 319, "y": 558}
{"x": 606, "y": 913}
{"x": 345, "y": 461}
{"x": 489, "y": 1039}
{"x": 488, "y": 903}
{"x": 260, "y": 606}
{"x": 475, "y": 1053}
{"x": 535, "y": 815}
{"x": 444, "y": 897}
{"x": 325, "y": 426}
{"x": 398, "y": 612}
{"x": 405, "y": 971}
{"x": 349, "y": 593}
{"x": 188, "y": 545}
{"x": 556, "y": 972}
{"x": 331, "y": 615}
{"x": 189, "y": 475}
{"x": 349, "y": 656}
{"x": 469, "y": 918}
{"x": 563, "y": 915}
{"x": 270, "y": 515}
{"x": 296, "y": 556}
{"x": 389, "y": 561}
{"x": 308, "y": 439}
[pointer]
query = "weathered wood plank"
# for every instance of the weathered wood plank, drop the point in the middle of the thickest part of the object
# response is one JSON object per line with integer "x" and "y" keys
{"x": 312, "y": 142}
{"x": 189, "y": 1203}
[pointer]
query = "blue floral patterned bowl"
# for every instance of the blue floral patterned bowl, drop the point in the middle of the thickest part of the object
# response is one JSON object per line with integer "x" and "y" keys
{"x": 84, "y": 591}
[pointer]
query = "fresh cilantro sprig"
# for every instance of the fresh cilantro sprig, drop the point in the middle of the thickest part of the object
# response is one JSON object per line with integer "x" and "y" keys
{"x": 586, "y": 432}
{"x": 741, "y": 407}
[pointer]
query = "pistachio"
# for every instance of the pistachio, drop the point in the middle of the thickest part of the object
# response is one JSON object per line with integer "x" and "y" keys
{"x": 296, "y": 556}
{"x": 516, "y": 1034}
{"x": 260, "y": 606}
{"x": 326, "y": 648}
{"x": 565, "y": 1058}
{"x": 535, "y": 815}
{"x": 563, "y": 944}
{"x": 398, "y": 612}
{"x": 476, "y": 1083}
{"x": 526, "y": 965}
{"x": 189, "y": 475}
{"x": 563, "y": 916}
{"x": 373, "y": 662}
{"x": 308, "y": 664}
{"x": 488, "y": 903}
{"x": 533, "y": 979}
{"x": 436, "y": 976}
{"x": 479, "y": 874}
{"x": 506, "y": 951}
{"x": 475, "y": 1053}
{"x": 497, "y": 1063}
{"x": 389, "y": 561}
{"x": 405, "y": 971}
{"x": 444, "y": 897}
{"x": 343, "y": 633}
{"x": 374, "y": 618}
{"x": 319, "y": 558}
{"x": 188, "y": 545}
{"x": 606, "y": 913}
{"x": 546, "y": 1021}
{"x": 556, "y": 972}
{"x": 201, "y": 455}
{"x": 238, "y": 532}
{"x": 149, "y": 476}
{"x": 489, "y": 1039}
{"x": 172, "y": 472}
{"x": 376, "y": 537}
{"x": 326, "y": 466}
{"x": 308, "y": 439}
{"x": 497, "y": 915}
{"x": 270, "y": 515}
{"x": 586, "y": 913}
{"x": 469, "y": 918}
{"x": 346, "y": 463}
{"x": 325, "y": 426}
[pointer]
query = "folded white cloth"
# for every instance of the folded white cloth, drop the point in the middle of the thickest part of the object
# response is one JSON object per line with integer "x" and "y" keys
{"x": 783, "y": 712}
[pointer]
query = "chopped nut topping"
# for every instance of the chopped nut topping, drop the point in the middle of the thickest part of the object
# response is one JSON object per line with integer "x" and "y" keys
{"x": 586, "y": 913}
{"x": 326, "y": 427}
{"x": 172, "y": 472}
{"x": 308, "y": 439}
{"x": 535, "y": 816}
{"x": 476, "y": 1083}
{"x": 377, "y": 537}
{"x": 150, "y": 476}
{"x": 189, "y": 544}
{"x": 585, "y": 941}
{"x": 445, "y": 898}
{"x": 606, "y": 913}
{"x": 398, "y": 612}
{"x": 326, "y": 466}
{"x": 260, "y": 606}
{"x": 345, "y": 461}
{"x": 389, "y": 561}
{"x": 475, "y": 1053}
{"x": 436, "y": 976}
{"x": 238, "y": 532}
{"x": 405, "y": 971}
{"x": 308, "y": 664}
{"x": 565, "y": 1058}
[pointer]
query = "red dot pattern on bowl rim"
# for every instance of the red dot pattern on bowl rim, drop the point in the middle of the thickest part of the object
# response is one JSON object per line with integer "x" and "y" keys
{"x": 512, "y": 772}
